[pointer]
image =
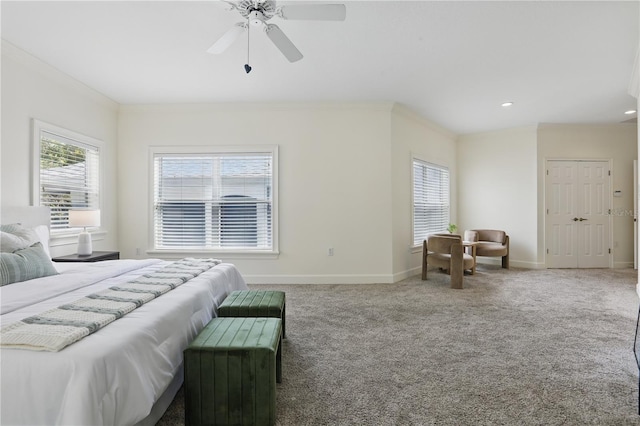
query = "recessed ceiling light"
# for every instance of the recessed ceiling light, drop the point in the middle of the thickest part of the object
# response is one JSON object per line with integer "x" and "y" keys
{"x": 507, "y": 104}
{"x": 631, "y": 111}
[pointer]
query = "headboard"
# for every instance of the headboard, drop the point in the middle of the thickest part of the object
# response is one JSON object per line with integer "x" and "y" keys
{"x": 29, "y": 216}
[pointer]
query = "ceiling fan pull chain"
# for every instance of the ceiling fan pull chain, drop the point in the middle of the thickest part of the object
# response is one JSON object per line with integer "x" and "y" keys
{"x": 247, "y": 67}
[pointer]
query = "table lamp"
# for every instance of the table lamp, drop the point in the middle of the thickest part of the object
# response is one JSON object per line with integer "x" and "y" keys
{"x": 84, "y": 218}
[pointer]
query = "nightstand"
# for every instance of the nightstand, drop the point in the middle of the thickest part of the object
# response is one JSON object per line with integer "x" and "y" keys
{"x": 96, "y": 256}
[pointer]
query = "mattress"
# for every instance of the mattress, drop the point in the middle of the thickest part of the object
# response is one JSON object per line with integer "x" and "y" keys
{"x": 116, "y": 375}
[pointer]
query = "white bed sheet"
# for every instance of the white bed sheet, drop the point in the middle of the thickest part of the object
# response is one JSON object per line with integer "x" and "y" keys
{"x": 114, "y": 376}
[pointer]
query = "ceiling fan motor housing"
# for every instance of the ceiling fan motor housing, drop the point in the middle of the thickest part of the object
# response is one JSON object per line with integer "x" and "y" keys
{"x": 257, "y": 12}
{"x": 256, "y": 18}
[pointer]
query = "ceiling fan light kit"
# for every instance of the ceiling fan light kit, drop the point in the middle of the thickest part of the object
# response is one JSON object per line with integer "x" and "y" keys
{"x": 258, "y": 12}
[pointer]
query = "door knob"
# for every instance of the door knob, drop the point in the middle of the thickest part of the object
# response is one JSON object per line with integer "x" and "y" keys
{"x": 582, "y": 218}
{"x": 575, "y": 219}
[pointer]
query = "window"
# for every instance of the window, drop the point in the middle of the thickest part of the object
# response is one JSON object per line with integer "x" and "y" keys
{"x": 66, "y": 172}
{"x": 430, "y": 200}
{"x": 221, "y": 201}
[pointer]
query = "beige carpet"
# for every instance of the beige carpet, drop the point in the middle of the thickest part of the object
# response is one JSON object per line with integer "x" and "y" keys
{"x": 517, "y": 347}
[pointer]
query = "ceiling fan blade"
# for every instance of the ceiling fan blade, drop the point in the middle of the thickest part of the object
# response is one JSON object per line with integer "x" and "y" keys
{"x": 227, "y": 38}
{"x": 228, "y": 4}
{"x": 282, "y": 42}
{"x": 317, "y": 12}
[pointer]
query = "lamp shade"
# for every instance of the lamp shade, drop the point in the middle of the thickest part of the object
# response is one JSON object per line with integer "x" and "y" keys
{"x": 84, "y": 218}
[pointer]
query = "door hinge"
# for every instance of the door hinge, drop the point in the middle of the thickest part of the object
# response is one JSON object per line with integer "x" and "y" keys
{"x": 609, "y": 211}
{"x": 609, "y": 251}
{"x": 547, "y": 251}
{"x": 547, "y": 172}
{"x": 547, "y": 211}
{"x": 609, "y": 172}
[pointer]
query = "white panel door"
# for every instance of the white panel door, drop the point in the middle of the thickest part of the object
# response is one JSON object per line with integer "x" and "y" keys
{"x": 593, "y": 210}
{"x": 577, "y": 225}
{"x": 562, "y": 208}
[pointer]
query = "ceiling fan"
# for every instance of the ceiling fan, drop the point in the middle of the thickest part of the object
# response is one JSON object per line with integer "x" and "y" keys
{"x": 257, "y": 13}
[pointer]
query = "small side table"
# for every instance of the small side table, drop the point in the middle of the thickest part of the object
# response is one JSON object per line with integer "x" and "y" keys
{"x": 473, "y": 245}
{"x": 96, "y": 256}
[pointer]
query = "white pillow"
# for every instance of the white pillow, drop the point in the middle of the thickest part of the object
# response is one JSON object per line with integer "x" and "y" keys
{"x": 16, "y": 237}
{"x": 42, "y": 231}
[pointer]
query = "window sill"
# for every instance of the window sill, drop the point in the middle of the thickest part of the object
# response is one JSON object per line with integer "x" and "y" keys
{"x": 226, "y": 255}
{"x": 68, "y": 238}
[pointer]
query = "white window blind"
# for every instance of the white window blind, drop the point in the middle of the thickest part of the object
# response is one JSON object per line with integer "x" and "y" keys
{"x": 430, "y": 200}
{"x": 69, "y": 177}
{"x": 218, "y": 201}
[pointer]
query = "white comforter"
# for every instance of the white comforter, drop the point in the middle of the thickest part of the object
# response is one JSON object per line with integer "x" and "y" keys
{"x": 114, "y": 376}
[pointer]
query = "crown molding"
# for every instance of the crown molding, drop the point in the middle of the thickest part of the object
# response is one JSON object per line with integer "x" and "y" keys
{"x": 260, "y": 106}
{"x": 407, "y": 112}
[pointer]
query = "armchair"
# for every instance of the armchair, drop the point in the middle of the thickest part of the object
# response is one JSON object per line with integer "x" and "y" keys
{"x": 446, "y": 252}
{"x": 490, "y": 242}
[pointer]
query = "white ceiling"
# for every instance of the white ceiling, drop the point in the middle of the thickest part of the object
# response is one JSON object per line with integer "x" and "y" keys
{"x": 452, "y": 62}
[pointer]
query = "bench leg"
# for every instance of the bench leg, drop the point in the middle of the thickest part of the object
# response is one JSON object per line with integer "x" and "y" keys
{"x": 279, "y": 362}
{"x": 284, "y": 308}
{"x": 424, "y": 260}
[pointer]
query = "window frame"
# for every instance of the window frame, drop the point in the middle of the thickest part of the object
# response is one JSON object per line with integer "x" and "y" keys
{"x": 417, "y": 246}
{"x": 67, "y": 235}
{"x": 155, "y": 151}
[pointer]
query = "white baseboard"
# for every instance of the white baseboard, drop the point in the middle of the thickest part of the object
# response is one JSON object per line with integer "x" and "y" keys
{"x": 399, "y": 276}
{"x": 384, "y": 278}
{"x": 365, "y": 279}
{"x": 515, "y": 263}
{"x": 333, "y": 279}
{"x": 319, "y": 279}
{"x": 622, "y": 265}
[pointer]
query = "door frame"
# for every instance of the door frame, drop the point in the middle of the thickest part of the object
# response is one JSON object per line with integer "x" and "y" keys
{"x": 635, "y": 214}
{"x": 609, "y": 161}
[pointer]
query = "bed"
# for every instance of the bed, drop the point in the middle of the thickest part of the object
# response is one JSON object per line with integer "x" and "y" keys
{"x": 126, "y": 373}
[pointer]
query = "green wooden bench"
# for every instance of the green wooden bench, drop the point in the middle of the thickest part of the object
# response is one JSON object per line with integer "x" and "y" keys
{"x": 231, "y": 370}
{"x": 255, "y": 303}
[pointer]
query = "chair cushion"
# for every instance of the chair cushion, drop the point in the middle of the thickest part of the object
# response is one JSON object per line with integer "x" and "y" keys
{"x": 484, "y": 248}
{"x": 443, "y": 260}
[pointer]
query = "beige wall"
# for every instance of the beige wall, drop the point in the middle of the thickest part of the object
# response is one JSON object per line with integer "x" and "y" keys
{"x": 345, "y": 172}
{"x": 501, "y": 182}
{"x": 497, "y": 189}
{"x": 616, "y": 142}
{"x": 334, "y": 182}
{"x": 34, "y": 90}
{"x": 413, "y": 135}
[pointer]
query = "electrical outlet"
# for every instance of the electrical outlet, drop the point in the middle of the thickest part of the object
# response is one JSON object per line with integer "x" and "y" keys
{"x": 330, "y": 251}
